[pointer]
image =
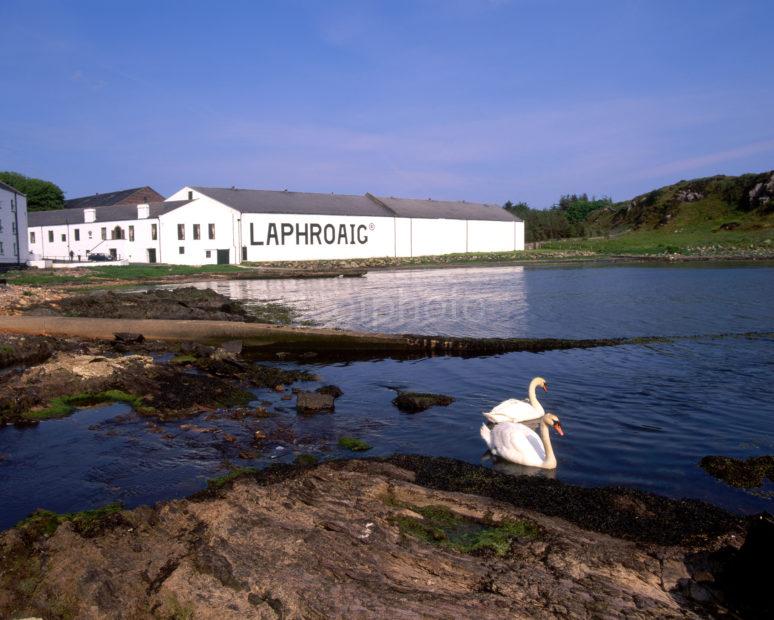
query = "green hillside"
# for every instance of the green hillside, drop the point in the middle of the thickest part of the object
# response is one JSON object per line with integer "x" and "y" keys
{"x": 713, "y": 215}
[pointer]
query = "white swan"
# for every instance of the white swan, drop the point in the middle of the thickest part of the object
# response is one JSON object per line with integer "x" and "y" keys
{"x": 516, "y": 443}
{"x": 515, "y": 410}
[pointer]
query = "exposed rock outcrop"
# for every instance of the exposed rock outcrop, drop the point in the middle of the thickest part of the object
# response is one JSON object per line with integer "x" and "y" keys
{"x": 342, "y": 540}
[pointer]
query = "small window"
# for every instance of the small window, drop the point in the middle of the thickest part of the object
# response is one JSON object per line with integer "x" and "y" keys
{"x": 77, "y": 232}
{"x": 15, "y": 249}
{"x": 13, "y": 227}
{"x": 212, "y": 231}
{"x": 197, "y": 231}
{"x": 154, "y": 232}
{"x": 51, "y": 236}
{"x": 1, "y": 226}
{"x": 32, "y": 237}
{"x": 207, "y": 254}
{"x": 181, "y": 249}
{"x": 64, "y": 237}
{"x": 131, "y": 233}
{"x": 90, "y": 234}
{"x": 103, "y": 233}
{"x": 2, "y": 250}
{"x": 13, "y": 205}
{"x": 181, "y": 232}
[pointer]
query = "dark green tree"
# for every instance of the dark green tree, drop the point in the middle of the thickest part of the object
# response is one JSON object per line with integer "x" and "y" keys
{"x": 41, "y": 195}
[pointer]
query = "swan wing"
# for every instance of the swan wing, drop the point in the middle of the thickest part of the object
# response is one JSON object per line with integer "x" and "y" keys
{"x": 512, "y": 410}
{"x": 516, "y": 443}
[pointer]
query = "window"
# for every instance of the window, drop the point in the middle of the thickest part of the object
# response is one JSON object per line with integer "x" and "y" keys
{"x": 77, "y": 232}
{"x": 32, "y": 237}
{"x": 2, "y": 250}
{"x": 181, "y": 250}
{"x": 51, "y": 236}
{"x": 197, "y": 231}
{"x": 90, "y": 234}
{"x": 15, "y": 249}
{"x": 13, "y": 205}
{"x": 13, "y": 227}
{"x": 117, "y": 233}
{"x": 154, "y": 231}
{"x": 64, "y": 237}
{"x": 181, "y": 232}
{"x": 103, "y": 233}
{"x": 212, "y": 231}
{"x": 131, "y": 233}
{"x": 207, "y": 254}
{"x": 1, "y": 226}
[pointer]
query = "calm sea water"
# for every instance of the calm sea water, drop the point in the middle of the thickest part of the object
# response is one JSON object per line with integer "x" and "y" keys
{"x": 634, "y": 415}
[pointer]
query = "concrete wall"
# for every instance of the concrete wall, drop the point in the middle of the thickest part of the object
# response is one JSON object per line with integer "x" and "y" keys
{"x": 13, "y": 227}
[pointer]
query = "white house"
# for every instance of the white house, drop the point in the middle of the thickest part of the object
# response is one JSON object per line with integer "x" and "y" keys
{"x": 199, "y": 225}
{"x": 13, "y": 226}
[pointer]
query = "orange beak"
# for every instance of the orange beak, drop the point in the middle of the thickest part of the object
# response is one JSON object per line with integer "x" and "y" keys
{"x": 558, "y": 428}
{"x": 545, "y": 387}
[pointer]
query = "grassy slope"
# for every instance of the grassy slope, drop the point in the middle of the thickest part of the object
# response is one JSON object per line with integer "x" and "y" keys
{"x": 722, "y": 221}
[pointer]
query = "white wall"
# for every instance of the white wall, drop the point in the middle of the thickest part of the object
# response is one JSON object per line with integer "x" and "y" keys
{"x": 90, "y": 240}
{"x": 202, "y": 211}
{"x": 274, "y": 237}
{"x": 271, "y": 237}
{"x": 13, "y": 218}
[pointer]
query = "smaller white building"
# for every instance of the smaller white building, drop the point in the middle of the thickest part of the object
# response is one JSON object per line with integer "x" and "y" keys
{"x": 13, "y": 226}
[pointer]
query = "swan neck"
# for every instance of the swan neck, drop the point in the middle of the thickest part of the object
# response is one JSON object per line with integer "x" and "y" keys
{"x": 545, "y": 435}
{"x": 533, "y": 396}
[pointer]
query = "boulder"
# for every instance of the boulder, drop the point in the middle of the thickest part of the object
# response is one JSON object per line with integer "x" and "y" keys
{"x": 414, "y": 402}
{"x": 311, "y": 402}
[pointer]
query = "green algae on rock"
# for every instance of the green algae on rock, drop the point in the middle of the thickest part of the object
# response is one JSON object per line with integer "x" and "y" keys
{"x": 354, "y": 444}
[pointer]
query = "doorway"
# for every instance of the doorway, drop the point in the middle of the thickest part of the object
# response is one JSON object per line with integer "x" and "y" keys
{"x": 113, "y": 254}
{"x": 151, "y": 255}
{"x": 223, "y": 257}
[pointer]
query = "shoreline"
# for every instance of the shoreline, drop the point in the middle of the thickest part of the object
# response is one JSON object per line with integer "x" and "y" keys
{"x": 280, "y": 539}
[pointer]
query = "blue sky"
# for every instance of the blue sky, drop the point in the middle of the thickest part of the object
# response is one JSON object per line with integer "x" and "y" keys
{"x": 485, "y": 100}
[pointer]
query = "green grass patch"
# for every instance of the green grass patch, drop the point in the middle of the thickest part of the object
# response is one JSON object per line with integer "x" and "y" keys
{"x": 64, "y": 405}
{"x": 186, "y": 358}
{"x": 354, "y": 444}
{"x": 443, "y": 527}
{"x": 87, "y": 522}
{"x": 306, "y": 460}
{"x": 233, "y": 474}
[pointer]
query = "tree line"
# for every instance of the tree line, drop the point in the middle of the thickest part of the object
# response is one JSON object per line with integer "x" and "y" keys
{"x": 567, "y": 218}
{"x": 41, "y": 195}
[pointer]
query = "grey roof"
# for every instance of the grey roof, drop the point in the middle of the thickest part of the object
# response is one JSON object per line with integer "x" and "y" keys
{"x": 266, "y": 201}
{"x": 116, "y": 213}
{"x": 10, "y": 188}
{"x": 112, "y": 198}
{"x": 446, "y": 209}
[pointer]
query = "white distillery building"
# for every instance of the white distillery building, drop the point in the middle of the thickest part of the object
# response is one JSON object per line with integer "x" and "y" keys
{"x": 199, "y": 225}
{"x": 13, "y": 226}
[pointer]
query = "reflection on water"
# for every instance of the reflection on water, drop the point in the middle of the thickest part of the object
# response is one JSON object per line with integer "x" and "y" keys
{"x": 571, "y": 302}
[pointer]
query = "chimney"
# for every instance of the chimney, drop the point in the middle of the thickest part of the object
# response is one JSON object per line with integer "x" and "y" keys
{"x": 89, "y": 215}
{"x": 143, "y": 211}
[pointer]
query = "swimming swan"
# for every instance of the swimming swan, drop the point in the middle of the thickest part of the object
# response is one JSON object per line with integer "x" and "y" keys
{"x": 515, "y": 410}
{"x": 516, "y": 443}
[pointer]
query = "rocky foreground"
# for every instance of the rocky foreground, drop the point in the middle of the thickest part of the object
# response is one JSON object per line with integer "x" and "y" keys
{"x": 372, "y": 539}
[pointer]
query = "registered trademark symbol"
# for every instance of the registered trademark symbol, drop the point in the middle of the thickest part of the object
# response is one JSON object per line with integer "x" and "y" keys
{"x": 371, "y": 227}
